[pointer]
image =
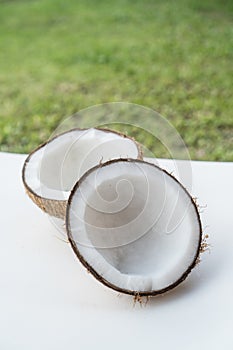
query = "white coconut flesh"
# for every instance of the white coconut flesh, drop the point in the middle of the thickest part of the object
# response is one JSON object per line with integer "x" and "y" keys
{"x": 52, "y": 170}
{"x": 134, "y": 227}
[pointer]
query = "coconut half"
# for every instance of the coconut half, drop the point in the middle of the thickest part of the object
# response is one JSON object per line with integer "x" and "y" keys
{"x": 134, "y": 227}
{"x": 50, "y": 171}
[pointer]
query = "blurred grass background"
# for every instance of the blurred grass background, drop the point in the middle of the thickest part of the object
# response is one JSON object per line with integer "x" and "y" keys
{"x": 57, "y": 57}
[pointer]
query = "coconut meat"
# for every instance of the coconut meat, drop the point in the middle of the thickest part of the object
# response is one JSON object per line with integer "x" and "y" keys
{"x": 134, "y": 225}
{"x": 53, "y": 169}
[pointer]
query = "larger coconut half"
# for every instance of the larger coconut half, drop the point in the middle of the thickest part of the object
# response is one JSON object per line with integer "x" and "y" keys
{"x": 50, "y": 171}
{"x": 134, "y": 227}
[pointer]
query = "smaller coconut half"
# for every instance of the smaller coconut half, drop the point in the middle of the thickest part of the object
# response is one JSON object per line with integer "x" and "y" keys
{"x": 50, "y": 171}
{"x": 134, "y": 227}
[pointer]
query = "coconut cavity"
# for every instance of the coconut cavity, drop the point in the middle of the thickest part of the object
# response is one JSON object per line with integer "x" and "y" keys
{"x": 134, "y": 227}
{"x": 50, "y": 172}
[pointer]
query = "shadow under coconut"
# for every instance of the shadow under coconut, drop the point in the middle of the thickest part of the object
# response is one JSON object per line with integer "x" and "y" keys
{"x": 182, "y": 290}
{"x": 202, "y": 277}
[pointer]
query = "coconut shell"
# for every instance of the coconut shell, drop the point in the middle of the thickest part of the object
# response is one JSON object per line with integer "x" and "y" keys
{"x": 57, "y": 208}
{"x": 90, "y": 269}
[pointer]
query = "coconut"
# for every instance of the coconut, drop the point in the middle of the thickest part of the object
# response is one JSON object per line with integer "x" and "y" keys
{"x": 50, "y": 171}
{"x": 134, "y": 227}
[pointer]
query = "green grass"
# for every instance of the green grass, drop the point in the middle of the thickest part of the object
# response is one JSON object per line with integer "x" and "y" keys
{"x": 57, "y": 57}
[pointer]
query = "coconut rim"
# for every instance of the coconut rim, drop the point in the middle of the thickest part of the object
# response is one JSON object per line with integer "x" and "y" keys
{"x": 93, "y": 271}
{"x": 27, "y": 160}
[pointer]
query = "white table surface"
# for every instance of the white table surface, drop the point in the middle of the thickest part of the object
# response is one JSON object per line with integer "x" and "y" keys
{"x": 48, "y": 300}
